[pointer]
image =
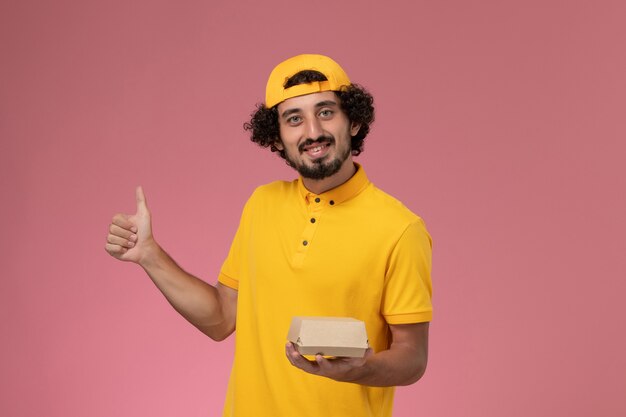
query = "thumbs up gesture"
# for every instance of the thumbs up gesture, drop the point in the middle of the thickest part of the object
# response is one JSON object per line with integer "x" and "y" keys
{"x": 130, "y": 236}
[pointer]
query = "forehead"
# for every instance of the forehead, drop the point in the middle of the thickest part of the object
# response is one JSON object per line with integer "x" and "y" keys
{"x": 307, "y": 101}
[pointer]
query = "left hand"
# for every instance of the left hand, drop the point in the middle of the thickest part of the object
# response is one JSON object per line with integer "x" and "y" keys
{"x": 340, "y": 369}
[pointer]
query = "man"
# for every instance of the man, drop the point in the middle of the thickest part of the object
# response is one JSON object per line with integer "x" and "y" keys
{"x": 327, "y": 244}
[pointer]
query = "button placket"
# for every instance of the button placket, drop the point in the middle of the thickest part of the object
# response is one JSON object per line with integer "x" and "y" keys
{"x": 314, "y": 211}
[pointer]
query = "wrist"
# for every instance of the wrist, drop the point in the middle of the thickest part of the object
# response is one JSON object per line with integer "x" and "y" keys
{"x": 152, "y": 254}
{"x": 362, "y": 372}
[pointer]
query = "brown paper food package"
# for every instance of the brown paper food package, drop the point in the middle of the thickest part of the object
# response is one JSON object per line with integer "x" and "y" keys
{"x": 329, "y": 336}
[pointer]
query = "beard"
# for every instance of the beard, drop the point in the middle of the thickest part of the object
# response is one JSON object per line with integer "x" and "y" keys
{"x": 322, "y": 167}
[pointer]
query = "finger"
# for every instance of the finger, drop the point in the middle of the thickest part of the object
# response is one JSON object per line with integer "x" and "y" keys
{"x": 300, "y": 361}
{"x": 291, "y": 352}
{"x": 123, "y": 221}
{"x": 123, "y": 233}
{"x": 116, "y": 240}
{"x": 288, "y": 352}
{"x": 324, "y": 364}
{"x": 142, "y": 206}
{"x": 115, "y": 250}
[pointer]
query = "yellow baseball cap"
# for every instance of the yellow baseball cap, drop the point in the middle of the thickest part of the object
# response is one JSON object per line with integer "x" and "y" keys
{"x": 275, "y": 92}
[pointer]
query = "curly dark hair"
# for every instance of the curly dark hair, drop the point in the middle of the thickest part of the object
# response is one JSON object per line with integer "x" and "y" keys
{"x": 356, "y": 102}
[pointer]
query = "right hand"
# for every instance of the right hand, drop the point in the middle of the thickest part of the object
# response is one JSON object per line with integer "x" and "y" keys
{"x": 130, "y": 236}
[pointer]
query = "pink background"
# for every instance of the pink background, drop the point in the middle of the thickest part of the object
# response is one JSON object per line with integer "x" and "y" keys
{"x": 501, "y": 123}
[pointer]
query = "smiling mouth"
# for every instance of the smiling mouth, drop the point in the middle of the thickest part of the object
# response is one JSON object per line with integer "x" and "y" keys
{"x": 317, "y": 150}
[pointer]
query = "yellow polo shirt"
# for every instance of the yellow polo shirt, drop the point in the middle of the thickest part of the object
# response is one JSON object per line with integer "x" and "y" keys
{"x": 353, "y": 251}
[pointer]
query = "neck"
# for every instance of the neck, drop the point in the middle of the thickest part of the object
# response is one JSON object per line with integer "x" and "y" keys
{"x": 321, "y": 186}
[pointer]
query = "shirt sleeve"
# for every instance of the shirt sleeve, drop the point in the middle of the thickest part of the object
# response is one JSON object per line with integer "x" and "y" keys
{"x": 408, "y": 288}
{"x": 231, "y": 272}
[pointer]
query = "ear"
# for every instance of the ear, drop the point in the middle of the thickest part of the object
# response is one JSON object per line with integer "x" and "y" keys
{"x": 354, "y": 128}
{"x": 278, "y": 144}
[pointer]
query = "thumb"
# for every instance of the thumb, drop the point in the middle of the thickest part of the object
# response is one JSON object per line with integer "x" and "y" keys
{"x": 141, "y": 201}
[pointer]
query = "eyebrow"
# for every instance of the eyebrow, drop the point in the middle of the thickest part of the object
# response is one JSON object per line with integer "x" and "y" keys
{"x": 289, "y": 112}
{"x": 324, "y": 103}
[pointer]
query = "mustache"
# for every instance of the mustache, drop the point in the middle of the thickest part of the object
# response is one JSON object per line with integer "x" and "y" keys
{"x": 322, "y": 139}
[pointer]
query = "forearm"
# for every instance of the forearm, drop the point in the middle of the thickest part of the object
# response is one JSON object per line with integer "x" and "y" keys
{"x": 198, "y": 302}
{"x": 400, "y": 365}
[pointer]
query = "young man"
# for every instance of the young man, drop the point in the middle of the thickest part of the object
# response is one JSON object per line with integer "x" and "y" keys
{"x": 327, "y": 244}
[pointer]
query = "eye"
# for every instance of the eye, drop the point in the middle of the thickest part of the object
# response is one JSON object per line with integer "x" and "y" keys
{"x": 294, "y": 120}
{"x": 326, "y": 113}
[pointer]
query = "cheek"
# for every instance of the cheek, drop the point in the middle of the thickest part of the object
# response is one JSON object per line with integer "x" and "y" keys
{"x": 288, "y": 136}
{"x": 281, "y": 130}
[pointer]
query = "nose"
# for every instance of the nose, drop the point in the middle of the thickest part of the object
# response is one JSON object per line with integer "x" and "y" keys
{"x": 314, "y": 128}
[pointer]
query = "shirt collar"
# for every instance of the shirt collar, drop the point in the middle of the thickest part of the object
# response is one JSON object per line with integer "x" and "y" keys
{"x": 338, "y": 195}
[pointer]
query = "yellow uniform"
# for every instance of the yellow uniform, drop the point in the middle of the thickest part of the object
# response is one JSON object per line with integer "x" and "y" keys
{"x": 353, "y": 251}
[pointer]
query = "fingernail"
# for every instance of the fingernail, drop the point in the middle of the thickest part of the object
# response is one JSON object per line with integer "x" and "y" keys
{"x": 131, "y": 244}
{"x": 133, "y": 237}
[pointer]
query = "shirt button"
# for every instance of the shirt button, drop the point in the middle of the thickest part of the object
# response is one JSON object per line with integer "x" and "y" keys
{"x": 317, "y": 200}
{"x": 305, "y": 243}
{"x": 312, "y": 219}
{"x": 332, "y": 202}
